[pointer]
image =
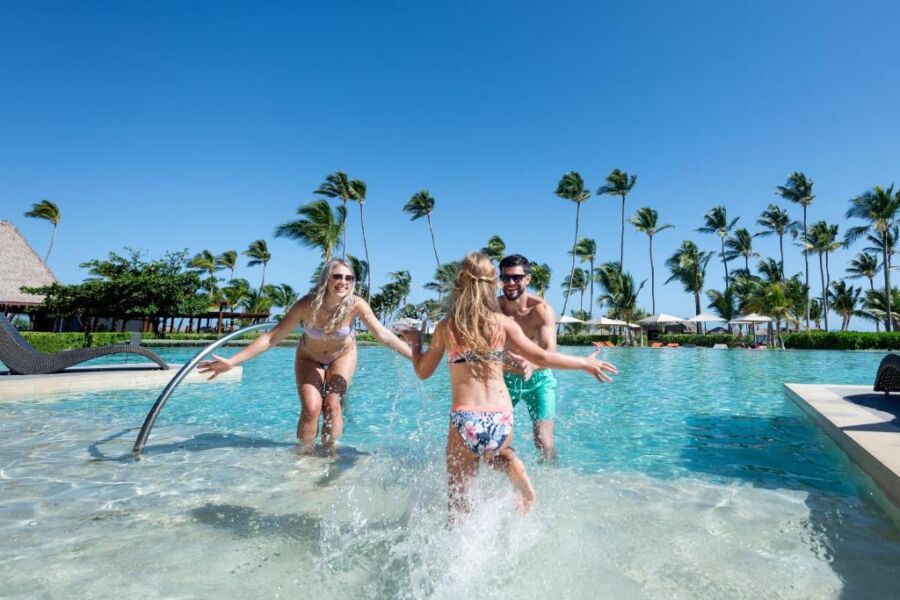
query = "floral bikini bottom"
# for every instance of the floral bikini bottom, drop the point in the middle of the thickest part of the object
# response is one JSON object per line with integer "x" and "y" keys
{"x": 482, "y": 431}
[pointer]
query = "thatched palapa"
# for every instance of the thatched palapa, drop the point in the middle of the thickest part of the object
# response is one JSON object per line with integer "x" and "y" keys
{"x": 20, "y": 266}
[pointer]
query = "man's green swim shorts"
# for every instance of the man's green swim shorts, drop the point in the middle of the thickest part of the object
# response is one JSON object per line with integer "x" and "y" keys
{"x": 539, "y": 393}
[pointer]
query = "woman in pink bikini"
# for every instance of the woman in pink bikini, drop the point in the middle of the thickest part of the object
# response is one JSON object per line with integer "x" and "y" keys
{"x": 326, "y": 355}
{"x": 476, "y": 335}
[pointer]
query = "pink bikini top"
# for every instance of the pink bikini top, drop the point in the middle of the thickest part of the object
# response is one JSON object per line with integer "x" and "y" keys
{"x": 318, "y": 333}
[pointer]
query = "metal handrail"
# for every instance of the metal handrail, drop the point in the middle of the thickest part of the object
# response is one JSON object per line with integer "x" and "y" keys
{"x": 179, "y": 376}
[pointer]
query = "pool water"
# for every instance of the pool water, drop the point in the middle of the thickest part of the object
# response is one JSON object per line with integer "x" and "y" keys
{"x": 691, "y": 476}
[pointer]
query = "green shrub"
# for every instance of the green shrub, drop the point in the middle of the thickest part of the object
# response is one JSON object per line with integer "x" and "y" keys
{"x": 706, "y": 341}
{"x": 54, "y": 342}
{"x": 842, "y": 340}
{"x": 584, "y": 339}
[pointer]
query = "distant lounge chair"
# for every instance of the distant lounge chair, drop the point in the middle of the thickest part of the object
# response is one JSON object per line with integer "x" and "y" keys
{"x": 887, "y": 379}
{"x": 21, "y": 358}
{"x": 656, "y": 345}
{"x": 720, "y": 346}
{"x": 673, "y": 345}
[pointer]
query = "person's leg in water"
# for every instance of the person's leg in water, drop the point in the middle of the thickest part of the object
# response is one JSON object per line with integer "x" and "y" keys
{"x": 540, "y": 398}
{"x": 507, "y": 460}
{"x": 337, "y": 384}
{"x": 310, "y": 379}
{"x": 462, "y": 465}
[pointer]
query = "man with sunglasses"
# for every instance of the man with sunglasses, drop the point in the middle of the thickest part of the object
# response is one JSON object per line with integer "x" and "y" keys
{"x": 538, "y": 320}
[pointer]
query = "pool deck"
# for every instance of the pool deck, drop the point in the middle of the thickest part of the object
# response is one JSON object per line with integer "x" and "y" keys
{"x": 98, "y": 378}
{"x": 863, "y": 423}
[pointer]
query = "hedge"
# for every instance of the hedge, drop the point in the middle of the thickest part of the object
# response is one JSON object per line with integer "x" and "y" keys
{"x": 706, "y": 341}
{"x": 842, "y": 340}
{"x": 584, "y": 339}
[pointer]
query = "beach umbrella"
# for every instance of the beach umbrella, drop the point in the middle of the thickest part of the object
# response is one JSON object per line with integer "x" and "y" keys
{"x": 705, "y": 318}
{"x": 567, "y": 319}
{"x": 660, "y": 319}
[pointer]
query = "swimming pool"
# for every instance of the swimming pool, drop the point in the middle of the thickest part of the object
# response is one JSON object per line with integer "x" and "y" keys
{"x": 690, "y": 476}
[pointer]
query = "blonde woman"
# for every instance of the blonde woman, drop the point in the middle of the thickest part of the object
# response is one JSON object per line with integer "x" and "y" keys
{"x": 476, "y": 335}
{"x": 326, "y": 355}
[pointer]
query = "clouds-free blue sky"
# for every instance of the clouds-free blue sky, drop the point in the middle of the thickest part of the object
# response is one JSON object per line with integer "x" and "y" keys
{"x": 168, "y": 125}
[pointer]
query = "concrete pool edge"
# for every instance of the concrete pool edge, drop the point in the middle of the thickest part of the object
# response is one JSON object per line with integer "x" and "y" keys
{"x": 870, "y": 437}
{"x": 98, "y": 378}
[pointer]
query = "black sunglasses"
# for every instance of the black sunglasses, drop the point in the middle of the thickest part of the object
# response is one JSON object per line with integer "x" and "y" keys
{"x": 339, "y": 277}
{"x": 514, "y": 278}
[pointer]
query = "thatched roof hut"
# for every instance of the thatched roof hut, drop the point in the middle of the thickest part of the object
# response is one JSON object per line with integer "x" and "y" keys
{"x": 20, "y": 266}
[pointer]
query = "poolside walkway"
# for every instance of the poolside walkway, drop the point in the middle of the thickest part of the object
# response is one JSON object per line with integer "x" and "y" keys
{"x": 864, "y": 423}
{"x": 98, "y": 378}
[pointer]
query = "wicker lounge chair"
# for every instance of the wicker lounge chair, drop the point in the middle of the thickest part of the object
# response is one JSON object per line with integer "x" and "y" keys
{"x": 21, "y": 358}
{"x": 887, "y": 379}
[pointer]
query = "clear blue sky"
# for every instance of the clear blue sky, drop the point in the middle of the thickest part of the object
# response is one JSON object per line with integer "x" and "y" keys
{"x": 167, "y": 125}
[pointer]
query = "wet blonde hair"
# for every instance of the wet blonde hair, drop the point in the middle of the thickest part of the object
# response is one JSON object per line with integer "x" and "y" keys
{"x": 318, "y": 293}
{"x": 473, "y": 320}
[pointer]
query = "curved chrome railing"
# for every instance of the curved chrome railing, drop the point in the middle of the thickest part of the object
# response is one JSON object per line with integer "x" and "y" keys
{"x": 179, "y": 376}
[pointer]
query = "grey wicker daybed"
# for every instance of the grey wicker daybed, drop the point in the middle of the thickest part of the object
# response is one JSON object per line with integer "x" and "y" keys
{"x": 887, "y": 379}
{"x": 21, "y": 358}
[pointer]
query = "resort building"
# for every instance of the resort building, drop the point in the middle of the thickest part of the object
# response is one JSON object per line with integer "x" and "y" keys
{"x": 20, "y": 266}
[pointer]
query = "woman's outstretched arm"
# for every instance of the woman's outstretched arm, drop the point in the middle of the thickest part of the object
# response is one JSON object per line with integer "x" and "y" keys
{"x": 379, "y": 331}
{"x": 425, "y": 363}
{"x": 267, "y": 340}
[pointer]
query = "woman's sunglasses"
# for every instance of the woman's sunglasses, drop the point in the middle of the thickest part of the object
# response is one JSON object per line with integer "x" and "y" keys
{"x": 340, "y": 277}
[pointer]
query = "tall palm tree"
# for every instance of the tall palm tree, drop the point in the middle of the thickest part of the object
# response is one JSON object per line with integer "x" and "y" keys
{"x": 228, "y": 260}
{"x": 586, "y": 251}
{"x": 205, "y": 261}
{"x": 358, "y": 190}
{"x": 688, "y": 265}
{"x": 444, "y": 279}
{"x": 421, "y": 204}
{"x": 578, "y": 283}
{"x": 320, "y": 227}
{"x": 875, "y": 304}
{"x": 815, "y": 312}
{"x": 879, "y": 207}
{"x": 821, "y": 239}
{"x": 799, "y": 189}
{"x": 48, "y": 211}
{"x": 361, "y": 272}
{"x": 258, "y": 252}
{"x": 645, "y": 220}
{"x": 865, "y": 265}
{"x": 771, "y": 270}
{"x": 884, "y": 245}
{"x": 771, "y": 300}
{"x": 844, "y": 300}
{"x": 740, "y": 244}
{"x": 495, "y": 249}
{"x": 776, "y": 221}
{"x": 540, "y": 278}
{"x": 338, "y": 185}
{"x": 403, "y": 281}
{"x": 798, "y": 294}
{"x": 618, "y": 292}
{"x": 619, "y": 183}
{"x": 716, "y": 221}
{"x": 571, "y": 187}
{"x": 235, "y": 293}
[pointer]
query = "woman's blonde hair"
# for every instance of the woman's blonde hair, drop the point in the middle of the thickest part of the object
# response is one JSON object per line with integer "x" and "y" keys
{"x": 318, "y": 293}
{"x": 474, "y": 316}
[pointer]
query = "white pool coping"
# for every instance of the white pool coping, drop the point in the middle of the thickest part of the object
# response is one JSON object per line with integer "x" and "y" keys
{"x": 863, "y": 423}
{"x": 98, "y": 378}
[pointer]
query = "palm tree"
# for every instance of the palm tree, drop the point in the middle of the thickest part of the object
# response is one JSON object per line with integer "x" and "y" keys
{"x": 235, "y": 293}
{"x": 880, "y": 207}
{"x": 228, "y": 260}
{"x": 645, "y": 220}
{"x": 495, "y": 249}
{"x": 775, "y": 220}
{"x": 48, "y": 211}
{"x": 205, "y": 261}
{"x": 361, "y": 272}
{"x": 338, "y": 185}
{"x": 771, "y": 300}
{"x": 619, "y": 293}
{"x": 865, "y": 265}
{"x": 444, "y": 279}
{"x": 586, "y": 251}
{"x": 571, "y": 187}
{"x": 844, "y": 299}
{"x": 688, "y": 265}
{"x": 716, "y": 221}
{"x": 403, "y": 282}
{"x": 815, "y": 312}
{"x": 821, "y": 239}
{"x": 320, "y": 227}
{"x": 724, "y": 304}
{"x": 799, "y": 189}
{"x": 875, "y": 303}
{"x": 358, "y": 190}
{"x": 886, "y": 244}
{"x": 540, "y": 278}
{"x": 771, "y": 270}
{"x": 798, "y": 294}
{"x": 619, "y": 183}
{"x": 259, "y": 254}
{"x": 740, "y": 244}
{"x": 421, "y": 204}
{"x": 578, "y": 282}
{"x": 283, "y": 296}
{"x": 258, "y": 302}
